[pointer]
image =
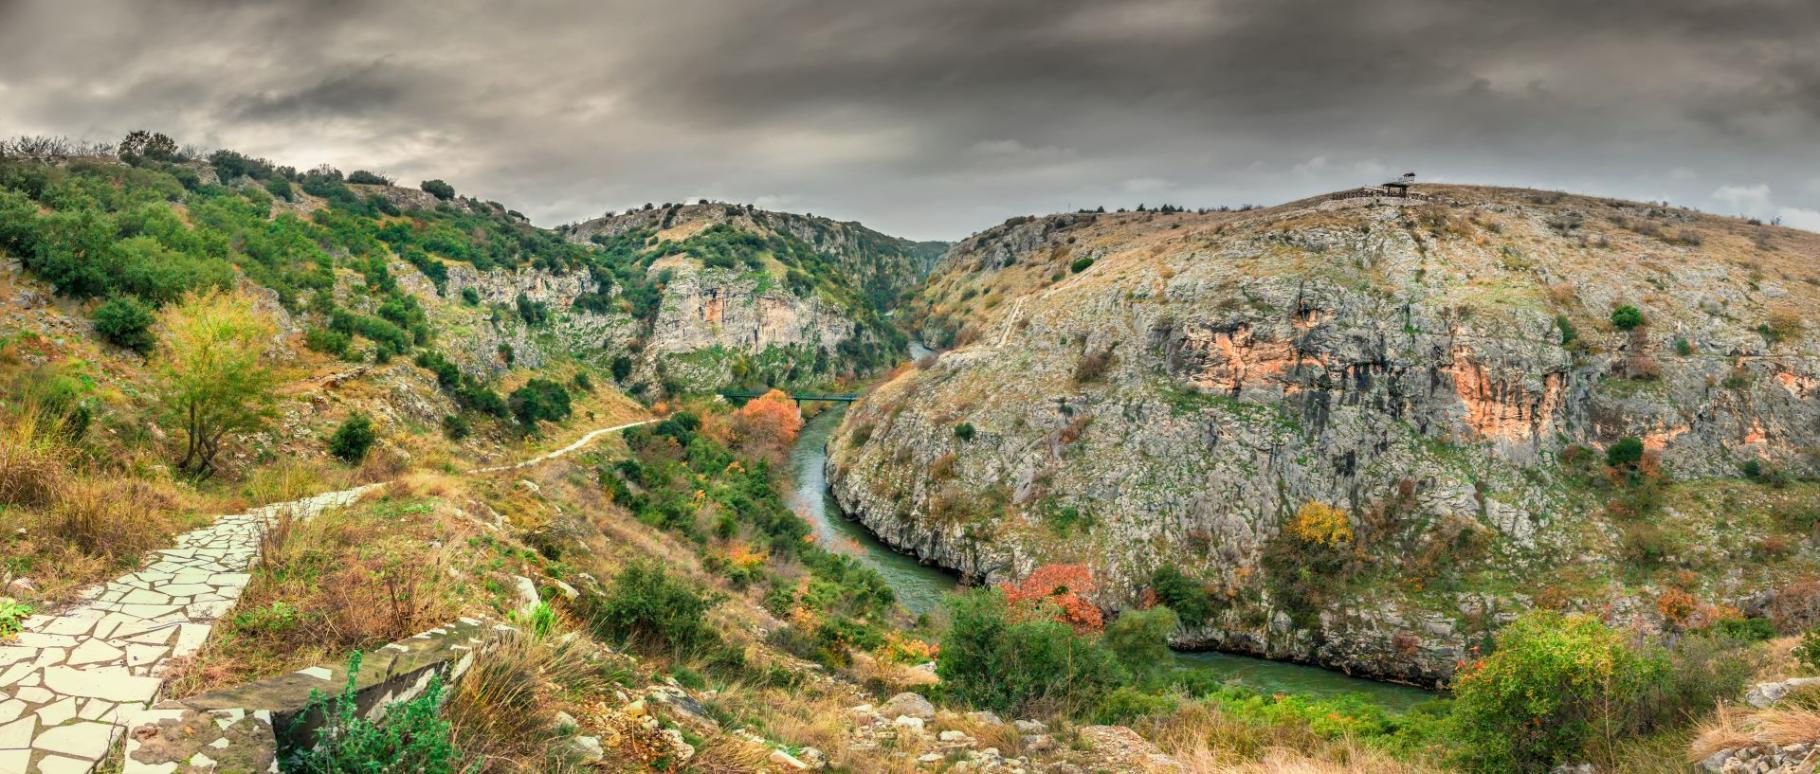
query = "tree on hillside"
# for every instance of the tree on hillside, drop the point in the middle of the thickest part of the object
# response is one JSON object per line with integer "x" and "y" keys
{"x": 213, "y": 380}
{"x": 768, "y": 422}
{"x": 352, "y": 439}
{"x": 539, "y": 399}
{"x": 439, "y": 189}
{"x": 125, "y": 321}
{"x": 143, "y": 145}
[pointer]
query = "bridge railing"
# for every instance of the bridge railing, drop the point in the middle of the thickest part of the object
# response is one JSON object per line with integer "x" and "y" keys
{"x": 799, "y": 397}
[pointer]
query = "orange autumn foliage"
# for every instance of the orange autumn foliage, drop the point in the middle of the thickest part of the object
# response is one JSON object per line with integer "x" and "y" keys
{"x": 1677, "y": 607}
{"x": 769, "y": 421}
{"x": 1062, "y": 585}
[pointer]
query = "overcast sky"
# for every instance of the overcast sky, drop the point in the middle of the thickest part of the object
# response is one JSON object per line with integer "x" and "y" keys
{"x": 935, "y": 118}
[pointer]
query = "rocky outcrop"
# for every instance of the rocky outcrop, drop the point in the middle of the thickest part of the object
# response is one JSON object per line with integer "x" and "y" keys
{"x": 710, "y": 318}
{"x": 477, "y": 335}
{"x": 1181, "y": 397}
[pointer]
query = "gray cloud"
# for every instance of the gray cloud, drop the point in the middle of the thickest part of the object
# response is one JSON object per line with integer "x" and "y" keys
{"x": 933, "y": 118}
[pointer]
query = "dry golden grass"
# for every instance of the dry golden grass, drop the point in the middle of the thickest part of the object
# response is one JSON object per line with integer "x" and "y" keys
{"x": 1203, "y": 739}
{"x": 1731, "y": 727}
{"x": 503, "y": 713}
{"x": 32, "y": 460}
{"x": 73, "y": 523}
{"x": 346, "y": 580}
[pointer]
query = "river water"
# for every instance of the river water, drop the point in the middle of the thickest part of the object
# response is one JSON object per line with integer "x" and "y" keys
{"x": 920, "y": 587}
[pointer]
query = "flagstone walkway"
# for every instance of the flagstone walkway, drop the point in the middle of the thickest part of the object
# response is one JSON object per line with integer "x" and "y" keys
{"x": 71, "y": 676}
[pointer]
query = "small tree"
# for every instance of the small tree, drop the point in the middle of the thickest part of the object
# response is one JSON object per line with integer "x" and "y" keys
{"x": 1187, "y": 598}
{"x": 1140, "y": 639}
{"x": 964, "y": 431}
{"x": 650, "y": 610}
{"x": 352, "y": 440}
{"x": 1627, "y": 451}
{"x": 1626, "y": 317}
{"x": 539, "y": 399}
{"x": 212, "y": 375}
{"x": 1553, "y": 683}
{"x": 768, "y": 423}
{"x": 999, "y": 658}
{"x": 439, "y": 189}
{"x": 126, "y": 322}
{"x": 143, "y": 145}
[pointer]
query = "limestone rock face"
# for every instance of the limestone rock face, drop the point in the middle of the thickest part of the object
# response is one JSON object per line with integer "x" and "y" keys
{"x": 1427, "y": 367}
{"x": 477, "y": 336}
{"x": 717, "y": 312}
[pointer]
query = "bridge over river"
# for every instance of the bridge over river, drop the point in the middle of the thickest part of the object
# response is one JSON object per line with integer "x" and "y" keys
{"x": 799, "y": 397}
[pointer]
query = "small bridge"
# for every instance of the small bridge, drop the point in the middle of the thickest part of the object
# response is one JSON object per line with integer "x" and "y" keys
{"x": 799, "y": 397}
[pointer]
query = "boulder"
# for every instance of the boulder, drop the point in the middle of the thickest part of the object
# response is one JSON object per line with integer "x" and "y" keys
{"x": 1764, "y": 694}
{"x": 910, "y": 705}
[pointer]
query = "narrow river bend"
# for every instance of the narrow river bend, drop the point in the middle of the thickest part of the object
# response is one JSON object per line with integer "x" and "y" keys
{"x": 920, "y": 587}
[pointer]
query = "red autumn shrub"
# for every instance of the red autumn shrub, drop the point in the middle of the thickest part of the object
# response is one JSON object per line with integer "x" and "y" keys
{"x": 1063, "y": 585}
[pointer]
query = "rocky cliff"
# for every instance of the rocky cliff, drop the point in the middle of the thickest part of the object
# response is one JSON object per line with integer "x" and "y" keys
{"x": 740, "y": 295}
{"x": 1360, "y": 432}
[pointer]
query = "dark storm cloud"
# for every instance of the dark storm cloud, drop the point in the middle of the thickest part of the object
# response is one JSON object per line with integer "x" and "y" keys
{"x": 936, "y": 117}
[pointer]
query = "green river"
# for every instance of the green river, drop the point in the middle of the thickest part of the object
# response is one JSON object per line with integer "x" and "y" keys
{"x": 920, "y": 587}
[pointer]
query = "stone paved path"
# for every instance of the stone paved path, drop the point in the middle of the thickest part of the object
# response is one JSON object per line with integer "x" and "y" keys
{"x": 71, "y": 676}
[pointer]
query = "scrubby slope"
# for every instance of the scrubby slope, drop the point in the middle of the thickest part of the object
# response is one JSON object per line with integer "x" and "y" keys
{"x": 734, "y": 294}
{"x": 1364, "y": 431}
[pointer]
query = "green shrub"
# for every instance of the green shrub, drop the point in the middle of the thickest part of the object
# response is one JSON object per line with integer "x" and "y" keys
{"x": 439, "y": 189}
{"x": 622, "y": 368}
{"x": 1627, "y": 451}
{"x": 964, "y": 431}
{"x": 1626, "y": 317}
{"x": 1683, "y": 347}
{"x": 1566, "y": 326}
{"x": 1808, "y": 652}
{"x": 1140, "y": 640}
{"x": 539, "y": 399}
{"x": 470, "y": 296}
{"x": 1181, "y": 594}
{"x": 1745, "y": 629}
{"x": 411, "y": 737}
{"x": 1553, "y": 684}
{"x": 273, "y": 619}
{"x": 12, "y": 617}
{"x": 649, "y": 610}
{"x": 534, "y": 313}
{"x": 327, "y": 341}
{"x": 1080, "y": 265}
{"x": 363, "y": 177}
{"x": 456, "y": 427}
{"x": 352, "y": 439}
{"x": 1126, "y": 704}
{"x": 1019, "y": 663}
{"x": 280, "y": 188}
{"x": 124, "y": 321}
